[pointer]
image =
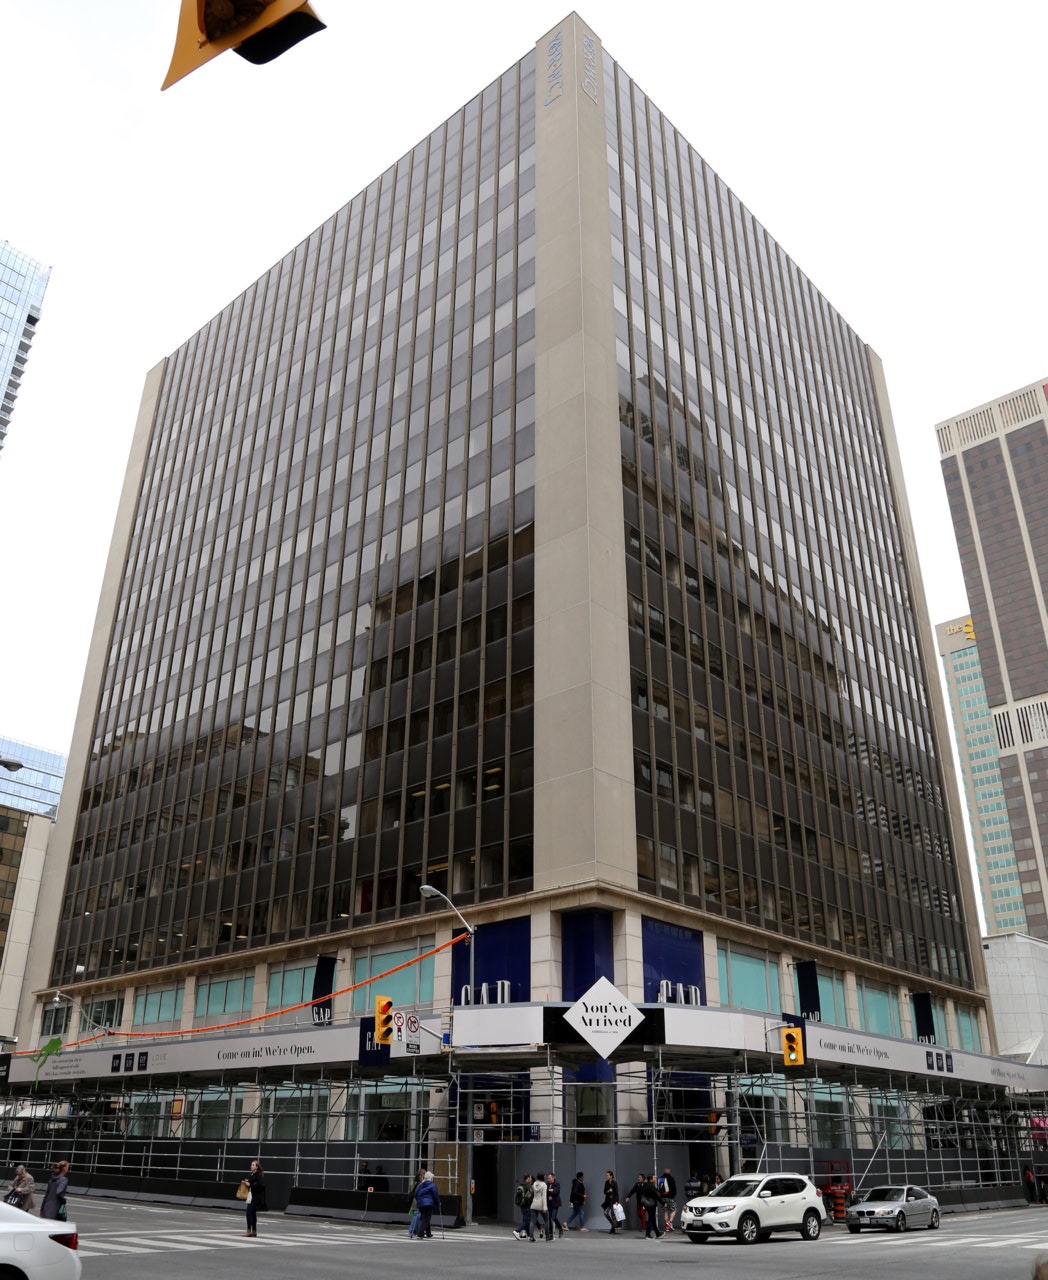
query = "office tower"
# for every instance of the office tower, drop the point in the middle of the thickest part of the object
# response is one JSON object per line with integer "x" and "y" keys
{"x": 30, "y": 777}
{"x": 531, "y": 531}
{"x": 22, "y": 285}
{"x": 976, "y": 739}
{"x": 995, "y": 464}
{"x": 30, "y": 784}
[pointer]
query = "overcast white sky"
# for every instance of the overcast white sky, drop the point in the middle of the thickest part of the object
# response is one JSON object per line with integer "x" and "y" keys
{"x": 895, "y": 150}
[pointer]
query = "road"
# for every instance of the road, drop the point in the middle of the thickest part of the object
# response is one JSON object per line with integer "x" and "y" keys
{"x": 153, "y": 1242}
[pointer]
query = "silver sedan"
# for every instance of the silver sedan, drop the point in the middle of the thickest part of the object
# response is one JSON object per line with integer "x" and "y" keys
{"x": 894, "y": 1207}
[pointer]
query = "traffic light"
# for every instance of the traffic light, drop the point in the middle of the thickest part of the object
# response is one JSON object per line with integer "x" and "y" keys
{"x": 259, "y": 30}
{"x": 792, "y": 1046}
{"x": 383, "y": 1020}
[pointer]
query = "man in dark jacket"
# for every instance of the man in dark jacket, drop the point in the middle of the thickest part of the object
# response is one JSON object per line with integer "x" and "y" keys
{"x": 553, "y": 1203}
{"x": 577, "y": 1198}
{"x": 649, "y": 1198}
{"x": 636, "y": 1194}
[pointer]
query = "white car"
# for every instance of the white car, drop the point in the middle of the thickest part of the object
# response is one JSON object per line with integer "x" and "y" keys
{"x": 751, "y": 1206}
{"x": 33, "y": 1248}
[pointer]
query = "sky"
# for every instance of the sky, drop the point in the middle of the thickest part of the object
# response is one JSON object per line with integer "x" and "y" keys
{"x": 895, "y": 151}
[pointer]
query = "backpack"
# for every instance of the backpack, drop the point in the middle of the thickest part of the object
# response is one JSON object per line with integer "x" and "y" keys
{"x": 518, "y": 1199}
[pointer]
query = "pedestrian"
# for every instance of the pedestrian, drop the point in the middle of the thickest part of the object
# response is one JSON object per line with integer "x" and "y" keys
{"x": 611, "y": 1201}
{"x": 414, "y": 1217}
{"x": 1029, "y": 1184}
{"x": 20, "y": 1192}
{"x": 577, "y": 1197}
{"x": 635, "y": 1193}
{"x": 538, "y": 1207}
{"x": 553, "y": 1203}
{"x": 427, "y": 1197}
{"x": 256, "y": 1196}
{"x": 522, "y": 1199}
{"x": 717, "y": 1180}
{"x": 54, "y": 1205}
{"x": 668, "y": 1191}
{"x": 649, "y": 1198}
{"x": 695, "y": 1187}
{"x": 364, "y": 1177}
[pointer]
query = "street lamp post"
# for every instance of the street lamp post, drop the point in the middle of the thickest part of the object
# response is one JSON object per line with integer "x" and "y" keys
{"x": 60, "y": 997}
{"x": 431, "y": 891}
{"x": 12, "y": 766}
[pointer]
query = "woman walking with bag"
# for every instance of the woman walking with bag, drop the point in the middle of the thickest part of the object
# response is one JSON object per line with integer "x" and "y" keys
{"x": 256, "y": 1196}
{"x": 611, "y": 1202}
{"x": 54, "y": 1205}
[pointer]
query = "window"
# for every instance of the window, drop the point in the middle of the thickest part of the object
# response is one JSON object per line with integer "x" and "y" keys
{"x": 747, "y": 980}
{"x": 290, "y": 985}
{"x": 56, "y": 1019}
{"x": 968, "y": 1029}
{"x": 224, "y": 996}
{"x": 878, "y": 1009}
{"x": 164, "y": 1005}
{"x": 103, "y": 1013}
{"x": 408, "y": 988}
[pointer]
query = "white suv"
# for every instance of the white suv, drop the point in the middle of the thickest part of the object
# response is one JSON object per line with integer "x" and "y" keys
{"x": 752, "y": 1206}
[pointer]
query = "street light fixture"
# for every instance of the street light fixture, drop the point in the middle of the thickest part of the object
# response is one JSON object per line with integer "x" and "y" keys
{"x": 12, "y": 766}
{"x": 431, "y": 891}
{"x": 60, "y": 997}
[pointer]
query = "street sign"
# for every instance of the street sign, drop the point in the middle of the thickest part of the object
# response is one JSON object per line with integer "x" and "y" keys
{"x": 398, "y": 1019}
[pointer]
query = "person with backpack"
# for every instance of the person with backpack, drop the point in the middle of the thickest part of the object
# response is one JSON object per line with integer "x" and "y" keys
{"x": 522, "y": 1199}
{"x": 577, "y": 1197}
{"x": 668, "y": 1192}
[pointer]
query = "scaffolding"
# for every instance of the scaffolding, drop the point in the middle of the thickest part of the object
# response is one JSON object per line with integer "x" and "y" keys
{"x": 319, "y": 1128}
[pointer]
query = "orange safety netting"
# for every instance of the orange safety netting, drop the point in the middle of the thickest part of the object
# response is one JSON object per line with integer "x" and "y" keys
{"x": 258, "y": 1017}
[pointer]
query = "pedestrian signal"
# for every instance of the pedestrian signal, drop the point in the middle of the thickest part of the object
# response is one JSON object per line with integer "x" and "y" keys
{"x": 259, "y": 30}
{"x": 383, "y": 1020}
{"x": 792, "y": 1046}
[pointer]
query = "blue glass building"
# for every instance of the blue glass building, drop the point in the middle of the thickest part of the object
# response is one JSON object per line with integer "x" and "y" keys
{"x": 22, "y": 286}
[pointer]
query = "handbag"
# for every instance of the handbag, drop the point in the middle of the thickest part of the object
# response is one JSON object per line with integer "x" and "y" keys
{"x": 244, "y": 1190}
{"x": 63, "y": 1214}
{"x": 619, "y": 1212}
{"x": 14, "y": 1197}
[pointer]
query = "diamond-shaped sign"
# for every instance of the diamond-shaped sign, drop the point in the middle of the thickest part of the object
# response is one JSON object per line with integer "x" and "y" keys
{"x": 604, "y": 1017}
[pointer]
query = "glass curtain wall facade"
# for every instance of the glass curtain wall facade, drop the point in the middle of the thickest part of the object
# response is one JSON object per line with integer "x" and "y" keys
{"x": 36, "y": 786}
{"x": 995, "y": 465}
{"x": 787, "y": 771}
{"x": 318, "y": 689}
{"x": 334, "y": 672}
{"x": 22, "y": 286}
{"x": 976, "y": 739}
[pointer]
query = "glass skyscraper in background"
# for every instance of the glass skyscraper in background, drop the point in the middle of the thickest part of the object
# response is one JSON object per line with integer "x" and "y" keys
{"x": 976, "y": 738}
{"x": 22, "y": 286}
{"x": 995, "y": 464}
{"x": 30, "y": 777}
{"x": 533, "y": 530}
